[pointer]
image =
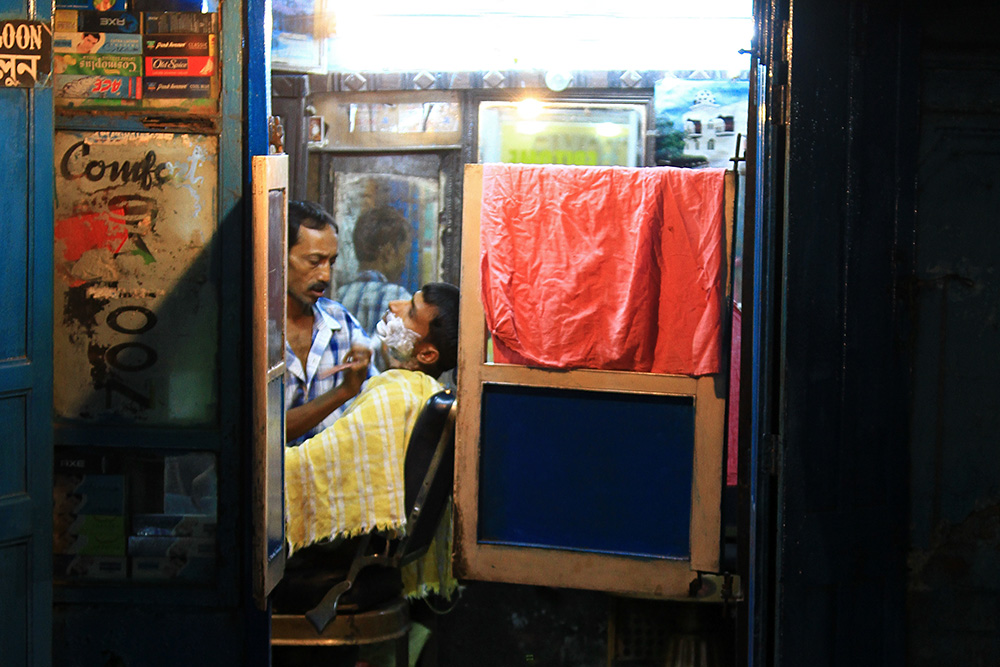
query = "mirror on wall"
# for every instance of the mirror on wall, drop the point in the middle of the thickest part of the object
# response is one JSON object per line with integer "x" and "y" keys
{"x": 395, "y": 212}
{"x": 530, "y": 131}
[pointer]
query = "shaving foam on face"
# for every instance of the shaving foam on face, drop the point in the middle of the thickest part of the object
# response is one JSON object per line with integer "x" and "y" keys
{"x": 398, "y": 339}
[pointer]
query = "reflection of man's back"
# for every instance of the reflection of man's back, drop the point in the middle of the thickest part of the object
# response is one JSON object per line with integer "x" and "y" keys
{"x": 368, "y": 296}
{"x": 381, "y": 238}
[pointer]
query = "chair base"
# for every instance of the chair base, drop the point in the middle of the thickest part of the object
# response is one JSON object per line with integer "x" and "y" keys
{"x": 388, "y": 622}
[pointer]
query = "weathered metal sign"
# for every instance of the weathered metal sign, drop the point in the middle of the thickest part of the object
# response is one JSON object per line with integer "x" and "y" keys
{"x": 136, "y": 322}
{"x": 25, "y": 53}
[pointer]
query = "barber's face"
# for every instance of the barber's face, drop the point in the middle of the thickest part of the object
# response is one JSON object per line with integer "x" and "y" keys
{"x": 310, "y": 264}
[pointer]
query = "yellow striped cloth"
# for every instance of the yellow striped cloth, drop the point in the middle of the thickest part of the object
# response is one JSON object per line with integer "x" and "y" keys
{"x": 348, "y": 479}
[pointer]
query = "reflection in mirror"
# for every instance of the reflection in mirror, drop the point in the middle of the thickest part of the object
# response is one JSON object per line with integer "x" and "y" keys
{"x": 388, "y": 241}
{"x": 276, "y": 224}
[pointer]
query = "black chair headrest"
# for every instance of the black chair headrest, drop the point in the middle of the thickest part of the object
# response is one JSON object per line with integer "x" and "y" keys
{"x": 425, "y": 438}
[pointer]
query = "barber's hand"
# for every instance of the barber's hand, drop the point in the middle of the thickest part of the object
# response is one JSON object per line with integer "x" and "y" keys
{"x": 359, "y": 358}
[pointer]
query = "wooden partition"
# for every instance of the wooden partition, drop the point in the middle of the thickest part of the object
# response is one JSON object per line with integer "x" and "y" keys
{"x": 603, "y": 480}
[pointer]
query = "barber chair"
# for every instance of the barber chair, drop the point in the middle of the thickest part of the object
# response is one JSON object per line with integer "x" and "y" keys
{"x": 349, "y": 593}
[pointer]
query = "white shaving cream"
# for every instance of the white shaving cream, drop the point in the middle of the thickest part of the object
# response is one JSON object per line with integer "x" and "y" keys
{"x": 397, "y": 338}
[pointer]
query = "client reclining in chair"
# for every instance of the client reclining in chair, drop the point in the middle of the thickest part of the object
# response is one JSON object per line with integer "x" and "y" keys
{"x": 347, "y": 481}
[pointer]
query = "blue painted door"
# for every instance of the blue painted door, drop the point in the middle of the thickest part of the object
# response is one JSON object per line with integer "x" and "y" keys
{"x": 759, "y": 429}
{"x": 26, "y": 367}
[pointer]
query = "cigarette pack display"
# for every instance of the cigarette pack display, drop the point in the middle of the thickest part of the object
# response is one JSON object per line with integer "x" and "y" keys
{"x": 156, "y": 558}
{"x": 71, "y": 461}
{"x": 96, "y": 42}
{"x": 155, "y": 568}
{"x": 171, "y": 547}
{"x": 121, "y": 22}
{"x": 179, "y": 23}
{"x": 100, "y": 5}
{"x": 180, "y": 66}
{"x": 97, "y": 86}
{"x": 89, "y": 545}
{"x": 178, "y": 525}
{"x": 87, "y": 63}
{"x": 179, "y": 45}
{"x": 65, "y": 20}
{"x": 89, "y": 534}
{"x": 75, "y": 493}
{"x": 76, "y": 20}
{"x": 177, "y": 87}
{"x": 90, "y": 567}
{"x": 172, "y": 5}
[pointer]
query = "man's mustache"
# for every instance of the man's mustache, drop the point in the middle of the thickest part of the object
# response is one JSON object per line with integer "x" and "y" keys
{"x": 319, "y": 286}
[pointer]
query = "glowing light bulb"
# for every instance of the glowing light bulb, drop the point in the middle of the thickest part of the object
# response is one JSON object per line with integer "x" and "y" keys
{"x": 529, "y": 108}
{"x": 608, "y": 129}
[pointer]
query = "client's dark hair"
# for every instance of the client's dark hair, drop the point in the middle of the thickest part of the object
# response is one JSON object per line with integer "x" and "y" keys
{"x": 307, "y": 214}
{"x": 377, "y": 227}
{"x": 443, "y": 332}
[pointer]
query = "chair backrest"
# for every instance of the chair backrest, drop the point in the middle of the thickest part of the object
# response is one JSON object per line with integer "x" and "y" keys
{"x": 428, "y": 472}
{"x": 428, "y": 469}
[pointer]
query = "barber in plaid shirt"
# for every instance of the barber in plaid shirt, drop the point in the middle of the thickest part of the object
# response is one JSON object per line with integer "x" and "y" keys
{"x": 328, "y": 356}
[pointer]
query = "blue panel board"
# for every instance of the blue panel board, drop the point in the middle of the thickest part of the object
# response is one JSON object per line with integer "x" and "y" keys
{"x": 603, "y": 472}
{"x": 13, "y": 430}
{"x": 14, "y": 203}
{"x": 26, "y": 369}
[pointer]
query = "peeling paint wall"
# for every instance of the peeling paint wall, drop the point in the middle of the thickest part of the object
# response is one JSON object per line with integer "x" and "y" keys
{"x": 136, "y": 305}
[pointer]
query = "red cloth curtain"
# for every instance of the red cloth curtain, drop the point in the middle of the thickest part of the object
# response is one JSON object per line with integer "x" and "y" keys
{"x": 603, "y": 267}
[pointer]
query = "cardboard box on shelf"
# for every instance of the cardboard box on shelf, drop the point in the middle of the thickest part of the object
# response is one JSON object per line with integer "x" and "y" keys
{"x": 74, "y": 493}
{"x": 100, "y": 5}
{"x": 96, "y": 63}
{"x": 152, "y": 568}
{"x": 177, "y": 87}
{"x": 180, "y": 66}
{"x": 180, "y": 23}
{"x": 97, "y": 86}
{"x": 179, "y": 45}
{"x": 89, "y": 534}
{"x": 90, "y": 567}
{"x": 174, "y": 525}
{"x": 171, "y": 547}
{"x": 158, "y": 558}
{"x": 75, "y": 20}
{"x": 96, "y": 42}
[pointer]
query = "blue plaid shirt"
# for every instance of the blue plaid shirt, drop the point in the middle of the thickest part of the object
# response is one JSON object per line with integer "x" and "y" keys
{"x": 368, "y": 297}
{"x": 334, "y": 331}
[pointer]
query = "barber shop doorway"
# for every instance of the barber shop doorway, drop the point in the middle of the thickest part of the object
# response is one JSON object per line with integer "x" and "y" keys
{"x": 402, "y": 132}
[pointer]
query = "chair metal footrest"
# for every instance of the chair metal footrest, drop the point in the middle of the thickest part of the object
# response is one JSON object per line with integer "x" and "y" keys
{"x": 384, "y": 623}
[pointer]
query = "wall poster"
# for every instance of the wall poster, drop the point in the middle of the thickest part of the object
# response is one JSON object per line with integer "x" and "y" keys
{"x": 136, "y": 297}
